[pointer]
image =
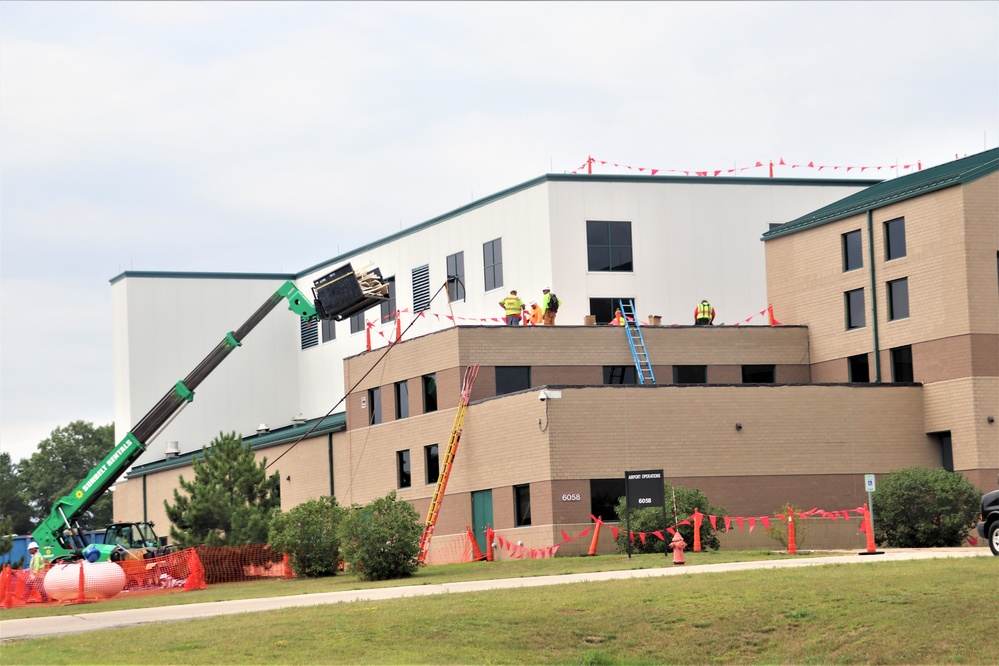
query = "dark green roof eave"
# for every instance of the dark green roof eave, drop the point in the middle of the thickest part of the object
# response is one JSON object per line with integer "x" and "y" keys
{"x": 286, "y": 435}
{"x": 951, "y": 174}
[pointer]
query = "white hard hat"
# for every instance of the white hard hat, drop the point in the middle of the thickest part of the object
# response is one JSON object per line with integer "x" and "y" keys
{"x": 32, "y": 546}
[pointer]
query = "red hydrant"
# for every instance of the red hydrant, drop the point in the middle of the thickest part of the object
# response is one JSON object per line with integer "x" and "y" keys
{"x": 678, "y": 544}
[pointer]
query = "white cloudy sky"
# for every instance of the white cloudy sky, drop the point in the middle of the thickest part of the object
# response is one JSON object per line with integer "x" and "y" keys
{"x": 268, "y": 137}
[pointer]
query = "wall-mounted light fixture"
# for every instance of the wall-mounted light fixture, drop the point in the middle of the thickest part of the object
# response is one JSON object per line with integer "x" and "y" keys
{"x": 738, "y": 426}
{"x": 288, "y": 478}
{"x": 992, "y": 419}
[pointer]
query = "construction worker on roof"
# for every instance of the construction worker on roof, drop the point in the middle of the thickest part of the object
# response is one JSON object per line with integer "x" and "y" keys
{"x": 549, "y": 306}
{"x": 704, "y": 314}
{"x": 618, "y": 319}
{"x": 536, "y": 316}
{"x": 513, "y": 308}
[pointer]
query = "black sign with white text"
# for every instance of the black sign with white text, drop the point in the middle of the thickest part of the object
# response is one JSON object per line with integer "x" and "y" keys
{"x": 644, "y": 489}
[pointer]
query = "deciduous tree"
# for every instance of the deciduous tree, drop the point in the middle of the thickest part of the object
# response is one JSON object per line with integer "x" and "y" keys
{"x": 15, "y": 514}
{"x": 924, "y": 508}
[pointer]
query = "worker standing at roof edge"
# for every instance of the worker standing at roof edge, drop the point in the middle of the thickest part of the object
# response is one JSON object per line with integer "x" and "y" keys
{"x": 536, "y": 316}
{"x": 513, "y": 308}
{"x": 549, "y": 306}
{"x": 37, "y": 571}
{"x": 704, "y": 314}
{"x": 618, "y": 319}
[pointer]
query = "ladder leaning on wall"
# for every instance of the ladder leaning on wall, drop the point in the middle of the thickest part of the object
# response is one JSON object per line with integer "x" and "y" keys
{"x": 445, "y": 471}
{"x": 637, "y": 343}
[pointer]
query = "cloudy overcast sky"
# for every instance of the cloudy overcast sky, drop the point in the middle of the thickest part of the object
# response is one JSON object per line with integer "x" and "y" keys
{"x": 268, "y": 137}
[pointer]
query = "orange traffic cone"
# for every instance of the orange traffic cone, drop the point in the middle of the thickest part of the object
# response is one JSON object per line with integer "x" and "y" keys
{"x": 593, "y": 541}
{"x": 6, "y": 587}
{"x": 869, "y": 528}
{"x": 288, "y": 572}
{"x": 475, "y": 545}
{"x": 698, "y": 517}
{"x": 792, "y": 547}
{"x": 79, "y": 590}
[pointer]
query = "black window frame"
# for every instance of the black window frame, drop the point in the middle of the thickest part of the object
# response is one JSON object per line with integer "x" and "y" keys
{"x": 609, "y": 246}
{"x": 858, "y": 368}
{"x": 404, "y": 470}
{"x": 894, "y": 234}
{"x": 432, "y": 460}
{"x": 430, "y": 402}
{"x": 388, "y": 305}
{"x": 620, "y": 375}
{"x": 855, "y": 309}
{"x": 898, "y": 298}
{"x": 401, "y": 401}
{"x": 853, "y": 250}
{"x": 522, "y": 505}
{"x": 328, "y": 327}
{"x": 357, "y": 322}
{"x": 492, "y": 264}
{"x": 455, "y": 267}
{"x": 759, "y": 374}
{"x": 375, "y": 415}
{"x": 902, "y": 371}
{"x": 687, "y": 371}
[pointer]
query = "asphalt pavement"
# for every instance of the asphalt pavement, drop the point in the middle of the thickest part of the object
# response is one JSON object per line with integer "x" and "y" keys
{"x": 71, "y": 624}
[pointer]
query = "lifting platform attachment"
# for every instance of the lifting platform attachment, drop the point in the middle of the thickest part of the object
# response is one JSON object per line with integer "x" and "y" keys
{"x": 452, "y": 447}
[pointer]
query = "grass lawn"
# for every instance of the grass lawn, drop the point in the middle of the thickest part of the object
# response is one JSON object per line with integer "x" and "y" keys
{"x": 928, "y": 611}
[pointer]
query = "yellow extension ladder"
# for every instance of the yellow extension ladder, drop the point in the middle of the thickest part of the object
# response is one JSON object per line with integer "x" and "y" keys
{"x": 452, "y": 447}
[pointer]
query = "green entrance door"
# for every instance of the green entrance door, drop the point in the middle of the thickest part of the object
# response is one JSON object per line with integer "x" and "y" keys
{"x": 482, "y": 515}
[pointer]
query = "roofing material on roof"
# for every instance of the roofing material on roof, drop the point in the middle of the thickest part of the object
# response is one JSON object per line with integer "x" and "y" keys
{"x": 958, "y": 172}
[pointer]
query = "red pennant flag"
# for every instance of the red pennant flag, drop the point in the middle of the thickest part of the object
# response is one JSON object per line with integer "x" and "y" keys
{"x": 670, "y": 530}
{"x": 655, "y": 171}
{"x": 584, "y": 533}
{"x": 728, "y": 523}
{"x": 766, "y": 522}
{"x": 759, "y": 164}
{"x": 863, "y": 526}
{"x": 565, "y": 537}
{"x": 614, "y": 532}
{"x": 781, "y": 163}
{"x": 631, "y": 535}
{"x": 717, "y": 171}
{"x": 659, "y": 533}
{"x": 713, "y": 520}
{"x": 740, "y": 523}
{"x": 811, "y": 165}
{"x": 641, "y": 535}
{"x": 752, "y": 524}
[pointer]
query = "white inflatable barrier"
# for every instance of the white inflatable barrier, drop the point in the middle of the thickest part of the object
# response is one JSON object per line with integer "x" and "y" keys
{"x": 101, "y": 580}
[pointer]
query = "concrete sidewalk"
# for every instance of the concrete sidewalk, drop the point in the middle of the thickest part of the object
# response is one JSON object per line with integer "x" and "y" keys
{"x": 70, "y": 624}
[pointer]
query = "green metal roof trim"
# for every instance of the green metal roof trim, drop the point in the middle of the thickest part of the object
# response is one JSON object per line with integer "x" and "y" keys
{"x": 286, "y": 435}
{"x": 958, "y": 172}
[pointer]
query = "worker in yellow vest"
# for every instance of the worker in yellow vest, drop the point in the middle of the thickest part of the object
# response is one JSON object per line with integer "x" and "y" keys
{"x": 704, "y": 314}
{"x": 513, "y": 308}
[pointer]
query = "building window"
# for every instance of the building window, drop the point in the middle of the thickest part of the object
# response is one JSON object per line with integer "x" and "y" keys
{"x": 402, "y": 466}
{"x": 855, "y": 309}
{"x": 456, "y": 277}
{"x": 620, "y": 374}
{"x": 492, "y": 261}
{"x": 374, "y": 406}
{"x": 946, "y": 449}
{"x": 608, "y": 246}
{"x": 604, "y": 495}
{"x": 421, "y": 288}
{"x": 329, "y": 330}
{"x": 603, "y": 308}
{"x": 510, "y": 379}
{"x": 402, "y": 399}
{"x": 853, "y": 255}
{"x": 895, "y": 239}
{"x": 758, "y": 374}
{"x": 901, "y": 365}
{"x": 357, "y": 321}
{"x": 310, "y": 333}
{"x": 690, "y": 374}
{"x": 898, "y": 299}
{"x": 388, "y": 306}
{"x": 430, "y": 454}
{"x": 522, "y": 505}
{"x": 429, "y": 393}
{"x": 859, "y": 368}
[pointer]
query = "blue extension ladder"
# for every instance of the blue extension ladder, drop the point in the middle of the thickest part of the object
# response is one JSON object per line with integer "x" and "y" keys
{"x": 637, "y": 343}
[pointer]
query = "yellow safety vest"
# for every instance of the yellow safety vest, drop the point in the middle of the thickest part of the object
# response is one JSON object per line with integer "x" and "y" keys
{"x": 513, "y": 305}
{"x": 704, "y": 311}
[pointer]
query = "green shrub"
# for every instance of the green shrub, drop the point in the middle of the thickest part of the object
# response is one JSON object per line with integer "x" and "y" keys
{"x": 651, "y": 520}
{"x": 924, "y": 508}
{"x": 309, "y": 535}
{"x": 381, "y": 540}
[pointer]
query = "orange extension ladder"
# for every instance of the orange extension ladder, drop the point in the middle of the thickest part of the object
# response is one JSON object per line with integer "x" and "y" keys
{"x": 452, "y": 447}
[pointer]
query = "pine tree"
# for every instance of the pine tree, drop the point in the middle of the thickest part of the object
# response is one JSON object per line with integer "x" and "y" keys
{"x": 230, "y": 501}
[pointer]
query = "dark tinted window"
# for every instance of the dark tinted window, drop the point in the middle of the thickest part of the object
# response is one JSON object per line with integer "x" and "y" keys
{"x": 433, "y": 463}
{"x": 898, "y": 299}
{"x": 603, "y": 308}
{"x": 429, "y": 393}
{"x": 855, "y": 309}
{"x": 758, "y": 374}
{"x": 604, "y": 494}
{"x": 456, "y": 276}
{"x": 853, "y": 256}
{"x": 402, "y": 467}
{"x": 690, "y": 374}
{"x": 608, "y": 246}
{"x": 522, "y": 505}
{"x": 388, "y": 306}
{"x": 895, "y": 239}
{"x": 374, "y": 406}
{"x": 510, "y": 379}
{"x": 402, "y": 399}
{"x": 901, "y": 364}
{"x": 859, "y": 367}
{"x": 620, "y": 374}
{"x": 492, "y": 261}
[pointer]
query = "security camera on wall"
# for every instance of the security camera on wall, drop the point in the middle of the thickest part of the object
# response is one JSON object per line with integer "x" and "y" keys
{"x": 543, "y": 396}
